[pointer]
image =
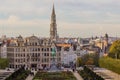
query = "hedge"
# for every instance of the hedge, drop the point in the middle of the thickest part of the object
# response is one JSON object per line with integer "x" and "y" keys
{"x": 54, "y": 76}
{"x": 88, "y": 74}
{"x": 20, "y": 74}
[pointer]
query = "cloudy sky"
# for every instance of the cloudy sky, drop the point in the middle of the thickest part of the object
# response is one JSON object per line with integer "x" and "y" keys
{"x": 75, "y": 18}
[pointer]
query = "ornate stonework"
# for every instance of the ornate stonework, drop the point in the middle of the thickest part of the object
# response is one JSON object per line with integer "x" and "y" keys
{"x": 53, "y": 26}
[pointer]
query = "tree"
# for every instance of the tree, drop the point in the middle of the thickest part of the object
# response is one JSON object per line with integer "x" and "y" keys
{"x": 114, "y": 51}
{"x": 90, "y": 59}
{"x": 95, "y": 57}
{"x": 85, "y": 58}
{"x": 3, "y": 63}
{"x": 79, "y": 62}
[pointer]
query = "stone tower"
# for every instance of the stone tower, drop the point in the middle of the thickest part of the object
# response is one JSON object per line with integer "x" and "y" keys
{"x": 106, "y": 39}
{"x": 106, "y": 43}
{"x": 53, "y": 25}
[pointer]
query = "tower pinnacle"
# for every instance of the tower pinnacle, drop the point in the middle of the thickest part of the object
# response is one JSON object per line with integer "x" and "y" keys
{"x": 53, "y": 25}
{"x": 53, "y": 10}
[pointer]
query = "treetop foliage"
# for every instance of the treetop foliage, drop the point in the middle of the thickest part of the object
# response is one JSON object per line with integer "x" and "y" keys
{"x": 114, "y": 51}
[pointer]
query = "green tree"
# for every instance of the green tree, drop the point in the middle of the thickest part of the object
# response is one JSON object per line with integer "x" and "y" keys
{"x": 3, "y": 63}
{"x": 90, "y": 59}
{"x": 79, "y": 62}
{"x": 95, "y": 57}
{"x": 85, "y": 58}
{"x": 114, "y": 51}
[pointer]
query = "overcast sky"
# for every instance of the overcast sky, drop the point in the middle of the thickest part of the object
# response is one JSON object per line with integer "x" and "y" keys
{"x": 75, "y": 18}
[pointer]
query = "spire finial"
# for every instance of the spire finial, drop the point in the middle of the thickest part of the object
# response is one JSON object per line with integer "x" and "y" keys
{"x": 53, "y": 10}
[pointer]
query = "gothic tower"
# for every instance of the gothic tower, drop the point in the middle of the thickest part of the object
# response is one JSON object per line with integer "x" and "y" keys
{"x": 53, "y": 26}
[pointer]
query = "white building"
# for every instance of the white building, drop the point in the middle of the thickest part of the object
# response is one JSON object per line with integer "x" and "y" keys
{"x": 68, "y": 56}
{"x": 3, "y": 50}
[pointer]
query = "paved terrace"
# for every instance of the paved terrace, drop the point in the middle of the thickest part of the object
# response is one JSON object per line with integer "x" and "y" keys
{"x": 107, "y": 74}
{"x": 30, "y": 77}
{"x": 76, "y": 74}
{"x": 5, "y": 73}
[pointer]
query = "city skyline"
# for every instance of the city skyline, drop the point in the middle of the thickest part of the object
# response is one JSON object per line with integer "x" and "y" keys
{"x": 74, "y": 18}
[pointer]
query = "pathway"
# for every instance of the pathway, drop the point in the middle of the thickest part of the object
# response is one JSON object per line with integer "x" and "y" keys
{"x": 30, "y": 77}
{"x": 5, "y": 73}
{"x": 107, "y": 74}
{"x": 76, "y": 74}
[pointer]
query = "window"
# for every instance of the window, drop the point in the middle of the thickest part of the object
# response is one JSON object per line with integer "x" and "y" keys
{"x": 38, "y": 59}
{"x": 47, "y": 49}
{"x": 16, "y": 66}
{"x": 59, "y": 54}
{"x": 51, "y": 49}
{"x": 38, "y": 49}
{"x": 24, "y": 55}
{"x": 32, "y": 59}
{"x": 16, "y": 60}
{"x": 33, "y": 49}
{"x": 32, "y": 54}
{"x": 38, "y": 54}
{"x": 23, "y": 50}
{"x": 59, "y": 59}
{"x": 27, "y": 55}
{"x": 42, "y": 49}
{"x": 44, "y": 54}
{"x": 35, "y": 44}
{"x": 47, "y": 54}
{"x": 24, "y": 60}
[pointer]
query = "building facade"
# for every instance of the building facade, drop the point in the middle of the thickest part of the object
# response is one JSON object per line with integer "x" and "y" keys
{"x": 32, "y": 52}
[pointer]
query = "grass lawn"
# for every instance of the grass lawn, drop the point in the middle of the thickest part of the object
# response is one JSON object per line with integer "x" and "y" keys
{"x": 110, "y": 63}
{"x": 54, "y": 76}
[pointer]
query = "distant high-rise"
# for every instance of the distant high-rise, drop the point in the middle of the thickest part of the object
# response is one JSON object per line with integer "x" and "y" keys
{"x": 53, "y": 26}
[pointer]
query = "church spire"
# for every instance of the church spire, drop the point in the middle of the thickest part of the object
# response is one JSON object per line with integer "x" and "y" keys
{"x": 53, "y": 25}
{"x": 53, "y": 15}
{"x": 53, "y": 10}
